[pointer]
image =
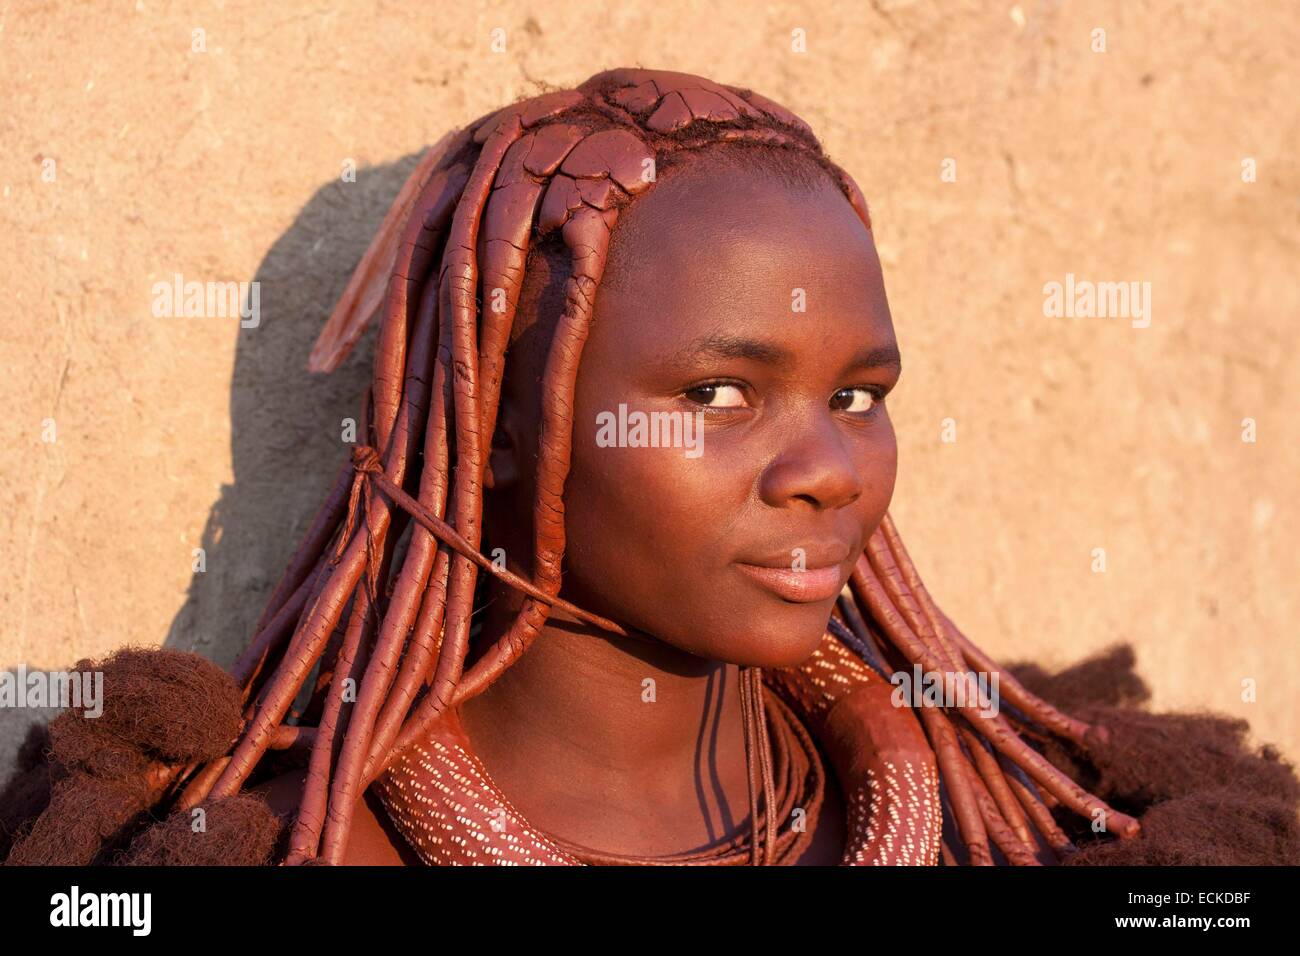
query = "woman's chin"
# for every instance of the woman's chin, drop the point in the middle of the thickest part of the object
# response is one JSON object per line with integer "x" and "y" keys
{"x": 775, "y": 643}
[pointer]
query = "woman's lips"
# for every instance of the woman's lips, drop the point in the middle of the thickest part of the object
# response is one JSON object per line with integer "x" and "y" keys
{"x": 803, "y": 587}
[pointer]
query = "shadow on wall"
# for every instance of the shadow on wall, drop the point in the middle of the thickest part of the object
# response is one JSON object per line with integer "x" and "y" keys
{"x": 285, "y": 423}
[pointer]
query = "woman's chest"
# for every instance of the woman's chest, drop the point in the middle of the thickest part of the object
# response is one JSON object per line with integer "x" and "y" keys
{"x": 829, "y": 833}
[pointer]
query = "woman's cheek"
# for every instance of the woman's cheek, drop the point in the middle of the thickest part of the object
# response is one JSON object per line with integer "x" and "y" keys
{"x": 663, "y": 508}
{"x": 626, "y": 511}
{"x": 881, "y": 473}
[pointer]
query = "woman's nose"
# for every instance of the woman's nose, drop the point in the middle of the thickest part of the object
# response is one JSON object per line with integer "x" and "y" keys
{"x": 817, "y": 469}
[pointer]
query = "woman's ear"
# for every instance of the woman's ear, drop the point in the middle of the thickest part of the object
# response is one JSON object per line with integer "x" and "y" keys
{"x": 503, "y": 458}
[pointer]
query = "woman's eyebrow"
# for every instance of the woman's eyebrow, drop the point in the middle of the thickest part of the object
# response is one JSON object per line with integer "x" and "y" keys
{"x": 721, "y": 345}
{"x": 884, "y": 356}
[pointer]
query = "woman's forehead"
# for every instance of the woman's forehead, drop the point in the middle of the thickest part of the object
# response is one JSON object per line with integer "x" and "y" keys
{"x": 723, "y": 248}
{"x": 724, "y": 198}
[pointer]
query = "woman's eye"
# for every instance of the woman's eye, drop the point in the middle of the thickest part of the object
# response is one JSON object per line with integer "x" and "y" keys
{"x": 855, "y": 400}
{"x": 717, "y": 396}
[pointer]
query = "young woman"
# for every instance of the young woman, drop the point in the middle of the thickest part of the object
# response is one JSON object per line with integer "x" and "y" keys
{"x": 611, "y": 578}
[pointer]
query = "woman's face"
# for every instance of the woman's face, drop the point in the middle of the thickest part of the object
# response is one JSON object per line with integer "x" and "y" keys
{"x": 754, "y": 314}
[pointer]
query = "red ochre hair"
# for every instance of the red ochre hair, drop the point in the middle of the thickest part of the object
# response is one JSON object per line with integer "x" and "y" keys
{"x": 179, "y": 734}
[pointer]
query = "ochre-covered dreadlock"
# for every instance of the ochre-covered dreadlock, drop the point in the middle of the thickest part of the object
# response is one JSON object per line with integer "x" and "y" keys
{"x": 445, "y": 272}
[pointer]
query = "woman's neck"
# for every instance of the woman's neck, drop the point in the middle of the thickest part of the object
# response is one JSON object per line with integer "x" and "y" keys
{"x": 625, "y": 745}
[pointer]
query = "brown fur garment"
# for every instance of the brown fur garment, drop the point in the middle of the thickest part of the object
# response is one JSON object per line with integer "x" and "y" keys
{"x": 241, "y": 830}
{"x": 27, "y": 792}
{"x": 1203, "y": 795}
{"x": 83, "y": 801}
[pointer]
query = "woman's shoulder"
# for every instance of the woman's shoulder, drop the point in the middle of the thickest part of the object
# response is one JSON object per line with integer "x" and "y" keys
{"x": 438, "y": 795}
{"x": 373, "y": 840}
